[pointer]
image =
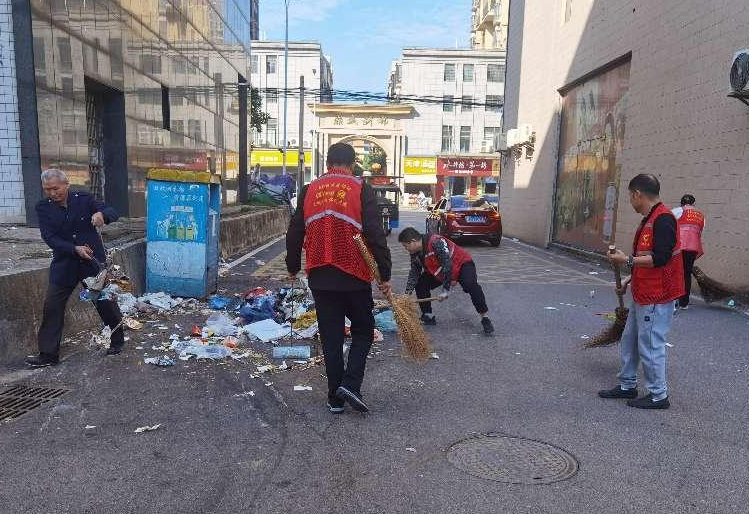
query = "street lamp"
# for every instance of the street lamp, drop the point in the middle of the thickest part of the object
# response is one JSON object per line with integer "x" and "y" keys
{"x": 312, "y": 131}
{"x": 286, "y": 86}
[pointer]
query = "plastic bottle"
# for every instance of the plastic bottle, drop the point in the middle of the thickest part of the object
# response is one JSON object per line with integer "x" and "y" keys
{"x": 180, "y": 230}
{"x": 171, "y": 228}
{"x": 190, "y": 229}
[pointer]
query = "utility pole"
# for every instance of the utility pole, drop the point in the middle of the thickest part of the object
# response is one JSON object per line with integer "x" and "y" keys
{"x": 301, "y": 166}
{"x": 286, "y": 85}
{"x": 242, "y": 175}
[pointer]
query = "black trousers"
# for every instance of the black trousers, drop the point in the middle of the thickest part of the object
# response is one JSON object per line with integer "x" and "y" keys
{"x": 467, "y": 278}
{"x": 688, "y": 259}
{"x": 53, "y": 319}
{"x": 331, "y": 308}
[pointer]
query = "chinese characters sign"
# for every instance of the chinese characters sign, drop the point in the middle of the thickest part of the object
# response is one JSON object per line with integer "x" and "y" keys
{"x": 471, "y": 166}
{"x": 420, "y": 165}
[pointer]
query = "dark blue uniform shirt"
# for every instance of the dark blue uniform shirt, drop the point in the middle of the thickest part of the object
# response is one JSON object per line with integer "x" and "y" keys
{"x": 64, "y": 228}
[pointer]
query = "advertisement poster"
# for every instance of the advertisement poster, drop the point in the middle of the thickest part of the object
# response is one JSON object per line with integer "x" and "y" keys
{"x": 592, "y": 134}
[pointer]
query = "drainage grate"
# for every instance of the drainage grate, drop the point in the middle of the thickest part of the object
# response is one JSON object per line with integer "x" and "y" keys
{"x": 18, "y": 400}
{"x": 509, "y": 459}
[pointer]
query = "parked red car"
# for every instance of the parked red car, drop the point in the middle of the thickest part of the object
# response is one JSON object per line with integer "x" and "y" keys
{"x": 466, "y": 217}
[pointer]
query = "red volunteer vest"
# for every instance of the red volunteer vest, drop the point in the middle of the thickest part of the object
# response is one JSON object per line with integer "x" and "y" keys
{"x": 333, "y": 216}
{"x": 691, "y": 227}
{"x": 458, "y": 257}
{"x": 657, "y": 285}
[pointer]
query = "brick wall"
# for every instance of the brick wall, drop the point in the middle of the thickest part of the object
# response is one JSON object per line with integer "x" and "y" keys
{"x": 681, "y": 125}
{"x": 12, "y": 208}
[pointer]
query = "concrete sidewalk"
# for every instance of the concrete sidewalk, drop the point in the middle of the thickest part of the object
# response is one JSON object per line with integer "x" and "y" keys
{"x": 278, "y": 450}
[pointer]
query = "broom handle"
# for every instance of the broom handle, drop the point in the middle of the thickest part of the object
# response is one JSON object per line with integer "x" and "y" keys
{"x": 618, "y": 279}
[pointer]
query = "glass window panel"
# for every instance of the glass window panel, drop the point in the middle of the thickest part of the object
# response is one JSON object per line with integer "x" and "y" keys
{"x": 466, "y": 102}
{"x": 468, "y": 72}
{"x": 271, "y": 64}
{"x": 447, "y": 140}
{"x": 494, "y": 103}
{"x": 447, "y": 104}
{"x": 465, "y": 139}
{"x": 449, "y": 72}
{"x": 495, "y": 73}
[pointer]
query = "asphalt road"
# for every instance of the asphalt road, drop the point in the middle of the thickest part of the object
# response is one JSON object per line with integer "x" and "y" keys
{"x": 278, "y": 450}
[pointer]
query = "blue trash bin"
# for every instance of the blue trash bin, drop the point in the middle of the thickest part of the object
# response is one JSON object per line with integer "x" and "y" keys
{"x": 182, "y": 232}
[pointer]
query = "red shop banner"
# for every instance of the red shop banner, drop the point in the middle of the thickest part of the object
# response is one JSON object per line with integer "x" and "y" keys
{"x": 469, "y": 166}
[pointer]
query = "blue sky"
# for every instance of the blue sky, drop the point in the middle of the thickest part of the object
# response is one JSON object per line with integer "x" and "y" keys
{"x": 363, "y": 37}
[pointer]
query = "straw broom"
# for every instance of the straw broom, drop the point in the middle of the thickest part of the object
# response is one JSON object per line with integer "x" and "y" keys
{"x": 711, "y": 289}
{"x": 410, "y": 329}
{"x": 613, "y": 333}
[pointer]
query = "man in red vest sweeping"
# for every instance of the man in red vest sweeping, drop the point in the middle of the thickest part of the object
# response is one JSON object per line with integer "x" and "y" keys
{"x": 437, "y": 261}
{"x": 331, "y": 211}
{"x": 658, "y": 280}
{"x": 691, "y": 223}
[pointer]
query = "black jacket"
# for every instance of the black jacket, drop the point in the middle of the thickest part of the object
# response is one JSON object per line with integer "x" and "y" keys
{"x": 64, "y": 228}
{"x": 329, "y": 277}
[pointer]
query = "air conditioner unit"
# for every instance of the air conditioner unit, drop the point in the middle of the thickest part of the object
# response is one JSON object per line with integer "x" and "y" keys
{"x": 512, "y": 138}
{"x": 524, "y": 133}
{"x": 488, "y": 145}
{"x": 501, "y": 141}
{"x": 738, "y": 75}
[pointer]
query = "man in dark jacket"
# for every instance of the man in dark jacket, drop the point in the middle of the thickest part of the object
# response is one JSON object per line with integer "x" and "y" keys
{"x": 68, "y": 222}
{"x": 330, "y": 212}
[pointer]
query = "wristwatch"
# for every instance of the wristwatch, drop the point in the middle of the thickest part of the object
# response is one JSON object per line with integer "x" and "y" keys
{"x": 630, "y": 261}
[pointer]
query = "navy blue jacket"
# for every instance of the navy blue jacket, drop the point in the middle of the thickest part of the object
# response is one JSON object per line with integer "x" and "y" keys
{"x": 63, "y": 228}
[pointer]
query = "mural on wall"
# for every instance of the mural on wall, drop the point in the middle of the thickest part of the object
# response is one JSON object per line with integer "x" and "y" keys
{"x": 592, "y": 133}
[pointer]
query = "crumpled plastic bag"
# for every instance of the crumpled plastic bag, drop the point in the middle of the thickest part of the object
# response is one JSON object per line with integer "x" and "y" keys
{"x": 260, "y": 308}
{"x": 221, "y": 325}
{"x": 267, "y": 330}
{"x": 218, "y": 302}
{"x": 161, "y": 300}
{"x": 196, "y": 348}
{"x": 127, "y": 302}
{"x": 385, "y": 322}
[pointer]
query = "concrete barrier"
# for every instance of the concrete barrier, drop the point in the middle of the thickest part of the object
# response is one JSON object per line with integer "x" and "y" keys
{"x": 22, "y": 294}
{"x": 247, "y": 231}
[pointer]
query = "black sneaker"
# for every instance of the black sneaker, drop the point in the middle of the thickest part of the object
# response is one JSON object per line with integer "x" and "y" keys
{"x": 619, "y": 393}
{"x": 112, "y": 351}
{"x": 428, "y": 320}
{"x": 335, "y": 405}
{"x": 648, "y": 402}
{"x": 487, "y": 325}
{"x": 42, "y": 361}
{"x": 353, "y": 398}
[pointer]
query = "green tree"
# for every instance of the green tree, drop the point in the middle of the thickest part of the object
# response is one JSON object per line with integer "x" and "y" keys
{"x": 376, "y": 155}
{"x": 257, "y": 117}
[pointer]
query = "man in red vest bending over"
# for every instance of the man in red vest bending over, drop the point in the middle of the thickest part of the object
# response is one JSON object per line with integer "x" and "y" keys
{"x": 691, "y": 223}
{"x": 331, "y": 211}
{"x": 437, "y": 261}
{"x": 657, "y": 279}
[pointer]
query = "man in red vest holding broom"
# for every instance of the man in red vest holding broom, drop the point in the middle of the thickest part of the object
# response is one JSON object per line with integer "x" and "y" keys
{"x": 331, "y": 211}
{"x": 657, "y": 279}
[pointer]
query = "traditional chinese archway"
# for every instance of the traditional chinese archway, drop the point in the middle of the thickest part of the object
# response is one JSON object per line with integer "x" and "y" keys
{"x": 378, "y": 125}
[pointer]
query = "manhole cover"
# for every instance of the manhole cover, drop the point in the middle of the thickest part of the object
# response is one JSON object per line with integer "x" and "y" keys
{"x": 19, "y": 399}
{"x": 509, "y": 459}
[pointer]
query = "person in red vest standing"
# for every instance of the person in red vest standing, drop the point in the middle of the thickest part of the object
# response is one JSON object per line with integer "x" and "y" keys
{"x": 331, "y": 211}
{"x": 437, "y": 261}
{"x": 691, "y": 223}
{"x": 657, "y": 279}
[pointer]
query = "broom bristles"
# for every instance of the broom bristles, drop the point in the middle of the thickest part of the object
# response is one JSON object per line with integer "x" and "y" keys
{"x": 711, "y": 289}
{"x": 611, "y": 334}
{"x": 410, "y": 329}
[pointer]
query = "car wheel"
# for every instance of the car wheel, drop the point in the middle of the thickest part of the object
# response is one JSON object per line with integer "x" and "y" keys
{"x": 495, "y": 242}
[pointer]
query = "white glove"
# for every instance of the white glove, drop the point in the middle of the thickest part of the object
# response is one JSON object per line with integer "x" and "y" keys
{"x": 443, "y": 295}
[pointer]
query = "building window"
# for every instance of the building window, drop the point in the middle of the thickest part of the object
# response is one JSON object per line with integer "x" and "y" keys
{"x": 466, "y": 102}
{"x": 253, "y": 64}
{"x": 272, "y": 95}
{"x": 447, "y": 104}
{"x": 150, "y": 63}
{"x": 40, "y": 60}
{"x": 495, "y": 72}
{"x": 270, "y": 64}
{"x": 468, "y": 73}
{"x": 194, "y": 131}
{"x": 494, "y": 103}
{"x": 465, "y": 139}
{"x": 449, "y": 72}
{"x": 447, "y": 143}
{"x": 490, "y": 133}
{"x": 567, "y": 10}
{"x": 177, "y": 135}
{"x": 176, "y": 98}
{"x": 178, "y": 66}
{"x": 272, "y": 133}
{"x": 115, "y": 56}
{"x": 66, "y": 59}
{"x": 67, "y": 86}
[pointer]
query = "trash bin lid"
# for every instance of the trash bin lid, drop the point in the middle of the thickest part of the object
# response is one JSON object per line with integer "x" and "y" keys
{"x": 167, "y": 174}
